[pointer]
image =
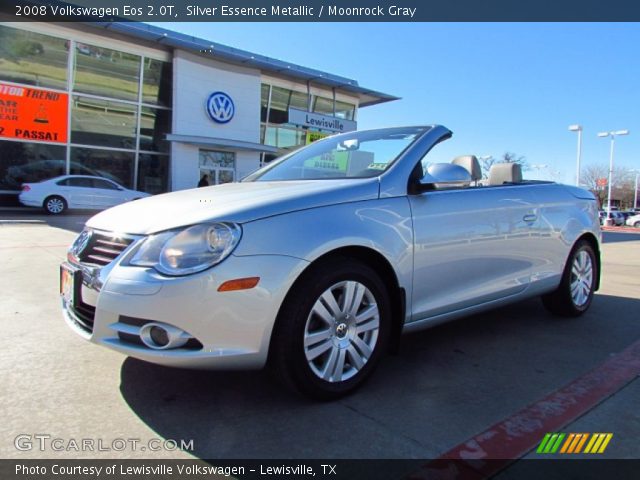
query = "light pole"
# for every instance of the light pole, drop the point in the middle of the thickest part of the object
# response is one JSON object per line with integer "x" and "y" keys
{"x": 613, "y": 136}
{"x": 635, "y": 192}
{"x": 577, "y": 128}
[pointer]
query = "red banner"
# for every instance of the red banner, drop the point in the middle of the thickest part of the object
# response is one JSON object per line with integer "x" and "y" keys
{"x": 33, "y": 114}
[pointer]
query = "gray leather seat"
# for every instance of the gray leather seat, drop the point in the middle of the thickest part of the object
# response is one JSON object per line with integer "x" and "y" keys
{"x": 470, "y": 162}
{"x": 501, "y": 173}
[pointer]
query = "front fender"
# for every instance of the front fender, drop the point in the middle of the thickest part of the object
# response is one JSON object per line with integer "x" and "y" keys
{"x": 384, "y": 225}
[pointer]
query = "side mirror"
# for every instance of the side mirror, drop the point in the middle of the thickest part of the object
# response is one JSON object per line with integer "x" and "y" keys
{"x": 444, "y": 175}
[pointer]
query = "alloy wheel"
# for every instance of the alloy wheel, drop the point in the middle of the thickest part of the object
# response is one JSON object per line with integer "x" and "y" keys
{"x": 341, "y": 331}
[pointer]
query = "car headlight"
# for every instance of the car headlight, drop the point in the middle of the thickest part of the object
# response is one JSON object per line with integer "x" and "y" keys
{"x": 187, "y": 250}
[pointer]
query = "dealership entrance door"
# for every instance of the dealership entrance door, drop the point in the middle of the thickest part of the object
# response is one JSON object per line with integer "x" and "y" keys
{"x": 219, "y": 165}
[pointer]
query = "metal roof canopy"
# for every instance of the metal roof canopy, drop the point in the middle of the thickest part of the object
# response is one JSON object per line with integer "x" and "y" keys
{"x": 178, "y": 40}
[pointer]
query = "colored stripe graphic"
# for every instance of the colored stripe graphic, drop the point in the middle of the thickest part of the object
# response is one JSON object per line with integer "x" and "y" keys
{"x": 567, "y": 443}
{"x": 598, "y": 443}
{"x": 582, "y": 441}
{"x": 574, "y": 442}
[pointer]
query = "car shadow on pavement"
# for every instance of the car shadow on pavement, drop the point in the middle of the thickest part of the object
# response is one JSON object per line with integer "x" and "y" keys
{"x": 446, "y": 384}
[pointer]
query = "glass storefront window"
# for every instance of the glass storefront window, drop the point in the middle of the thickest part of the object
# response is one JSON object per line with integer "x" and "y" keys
{"x": 264, "y": 102}
{"x": 323, "y": 106}
{"x": 103, "y": 122}
{"x": 219, "y": 166}
{"x": 105, "y": 72}
{"x": 345, "y": 110}
{"x": 22, "y": 162}
{"x": 281, "y": 100}
{"x": 153, "y": 173}
{"x": 116, "y": 166}
{"x": 283, "y": 137}
{"x": 33, "y": 59}
{"x": 155, "y": 123}
{"x": 156, "y": 82}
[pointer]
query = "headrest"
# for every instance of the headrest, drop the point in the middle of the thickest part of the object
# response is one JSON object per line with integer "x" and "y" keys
{"x": 470, "y": 162}
{"x": 501, "y": 173}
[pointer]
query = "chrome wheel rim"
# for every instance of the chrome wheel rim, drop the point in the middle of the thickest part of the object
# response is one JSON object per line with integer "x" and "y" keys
{"x": 55, "y": 205}
{"x": 341, "y": 331}
{"x": 581, "y": 278}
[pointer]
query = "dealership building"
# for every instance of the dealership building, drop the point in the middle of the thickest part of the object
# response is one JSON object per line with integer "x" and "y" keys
{"x": 154, "y": 109}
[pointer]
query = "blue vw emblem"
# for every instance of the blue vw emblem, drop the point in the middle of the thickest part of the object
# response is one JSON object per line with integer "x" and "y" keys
{"x": 81, "y": 243}
{"x": 220, "y": 107}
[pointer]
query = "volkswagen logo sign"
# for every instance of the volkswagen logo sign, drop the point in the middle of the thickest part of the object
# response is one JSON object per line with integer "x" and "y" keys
{"x": 81, "y": 243}
{"x": 220, "y": 107}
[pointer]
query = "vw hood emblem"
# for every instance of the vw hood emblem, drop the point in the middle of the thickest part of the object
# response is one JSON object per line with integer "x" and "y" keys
{"x": 220, "y": 107}
{"x": 81, "y": 243}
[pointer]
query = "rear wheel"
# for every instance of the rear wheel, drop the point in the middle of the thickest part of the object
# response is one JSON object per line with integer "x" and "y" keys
{"x": 332, "y": 330}
{"x": 637, "y": 224}
{"x": 55, "y": 205}
{"x": 575, "y": 293}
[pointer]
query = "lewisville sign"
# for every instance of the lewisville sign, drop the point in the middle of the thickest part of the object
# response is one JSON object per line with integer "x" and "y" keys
{"x": 323, "y": 122}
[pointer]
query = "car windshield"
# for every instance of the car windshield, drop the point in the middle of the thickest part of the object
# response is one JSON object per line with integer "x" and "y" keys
{"x": 350, "y": 155}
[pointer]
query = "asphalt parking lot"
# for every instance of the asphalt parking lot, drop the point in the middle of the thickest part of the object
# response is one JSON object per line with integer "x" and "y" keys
{"x": 445, "y": 386}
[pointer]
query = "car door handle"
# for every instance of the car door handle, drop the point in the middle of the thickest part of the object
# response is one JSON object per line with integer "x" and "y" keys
{"x": 530, "y": 218}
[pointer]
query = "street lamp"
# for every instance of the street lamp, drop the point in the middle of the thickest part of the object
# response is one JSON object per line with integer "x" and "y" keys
{"x": 613, "y": 136}
{"x": 577, "y": 128}
{"x": 635, "y": 191}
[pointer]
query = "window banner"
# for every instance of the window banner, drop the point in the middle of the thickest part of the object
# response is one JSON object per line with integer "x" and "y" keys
{"x": 33, "y": 114}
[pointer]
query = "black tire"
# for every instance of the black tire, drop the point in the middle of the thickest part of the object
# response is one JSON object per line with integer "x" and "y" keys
{"x": 562, "y": 302}
{"x": 291, "y": 343}
{"x": 54, "y": 205}
{"x": 637, "y": 224}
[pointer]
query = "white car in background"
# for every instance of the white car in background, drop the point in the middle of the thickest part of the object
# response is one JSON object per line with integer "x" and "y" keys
{"x": 76, "y": 191}
{"x": 634, "y": 221}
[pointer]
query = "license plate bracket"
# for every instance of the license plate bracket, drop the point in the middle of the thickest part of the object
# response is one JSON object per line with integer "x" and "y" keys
{"x": 68, "y": 283}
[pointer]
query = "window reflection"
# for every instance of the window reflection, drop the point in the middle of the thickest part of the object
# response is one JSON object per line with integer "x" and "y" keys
{"x": 156, "y": 83}
{"x": 154, "y": 124}
{"x": 103, "y": 122}
{"x": 116, "y": 166}
{"x": 33, "y": 59}
{"x": 153, "y": 173}
{"x": 105, "y": 72}
{"x": 22, "y": 162}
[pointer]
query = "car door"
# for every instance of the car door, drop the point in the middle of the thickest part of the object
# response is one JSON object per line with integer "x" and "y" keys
{"x": 471, "y": 246}
{"x": 107, "y": 193}
{"x": 78, "y": 192}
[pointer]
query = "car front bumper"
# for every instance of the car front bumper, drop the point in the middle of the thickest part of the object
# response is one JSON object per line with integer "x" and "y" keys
{"x": 229, "y": 330}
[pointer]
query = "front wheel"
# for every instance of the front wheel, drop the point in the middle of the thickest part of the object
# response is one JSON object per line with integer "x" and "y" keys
{"x": 332, "y": 330}
{"x": 575, "y": 293}
{"x": 55, "y": 205}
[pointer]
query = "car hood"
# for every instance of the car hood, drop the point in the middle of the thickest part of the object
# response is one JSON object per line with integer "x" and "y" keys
{"x": 235, "y": 202}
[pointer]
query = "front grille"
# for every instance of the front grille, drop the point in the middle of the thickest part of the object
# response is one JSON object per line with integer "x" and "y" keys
{"x": 85, "y": 314}
{"x": 103, "y": 248}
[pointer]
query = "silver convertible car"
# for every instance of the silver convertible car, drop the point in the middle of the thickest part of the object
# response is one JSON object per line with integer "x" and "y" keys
{"x": 318, "y": 262}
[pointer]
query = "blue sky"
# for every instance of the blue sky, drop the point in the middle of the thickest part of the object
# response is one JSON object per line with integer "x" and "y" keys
{"x": 499, "y": 86}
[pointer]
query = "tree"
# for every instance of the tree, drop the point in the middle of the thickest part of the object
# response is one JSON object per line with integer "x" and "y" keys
{"x": 621, "y": 187}
{"x": 507, "y": 157}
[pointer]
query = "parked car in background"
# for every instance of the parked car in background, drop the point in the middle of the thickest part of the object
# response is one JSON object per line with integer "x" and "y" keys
{"x": 318, "y": 261}
{"x": 615, "y": 216}
{"x": 76, "y": 191}
{"x": 45, "y": 169}
{"x": 634, "y": 221}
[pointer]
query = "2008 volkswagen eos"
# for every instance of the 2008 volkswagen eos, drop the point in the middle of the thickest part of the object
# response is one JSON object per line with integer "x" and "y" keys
{"x": 317, "y": 262}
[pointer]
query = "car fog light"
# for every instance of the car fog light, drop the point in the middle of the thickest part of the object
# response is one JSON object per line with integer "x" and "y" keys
{"x": 159, "y": 336}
